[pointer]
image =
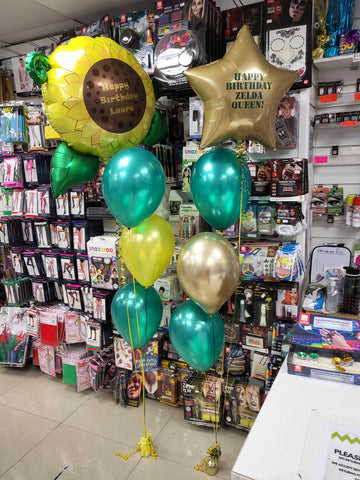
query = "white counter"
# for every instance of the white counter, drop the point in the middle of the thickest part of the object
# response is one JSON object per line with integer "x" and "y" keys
{"x": 274, "y": 447}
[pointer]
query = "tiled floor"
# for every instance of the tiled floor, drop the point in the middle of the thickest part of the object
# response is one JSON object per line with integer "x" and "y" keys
{"x": 49, "y": 431}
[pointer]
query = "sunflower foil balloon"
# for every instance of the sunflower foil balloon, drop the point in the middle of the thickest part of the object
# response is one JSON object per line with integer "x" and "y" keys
{"x": 97, "y": 96}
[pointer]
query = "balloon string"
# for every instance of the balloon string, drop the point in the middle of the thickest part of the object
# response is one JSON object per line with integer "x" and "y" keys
{"x": 131, "y": 341}
{"x": 139, "y": 337}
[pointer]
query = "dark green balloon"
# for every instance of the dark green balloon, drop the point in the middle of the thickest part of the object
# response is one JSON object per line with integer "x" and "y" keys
{"x": 133, "y": 185}
{"x": 69, "y": 168}
{"x": 143, "y": 306}
{"x": 158, "y": 130}
{"x": 197, "y": 337}
{"x": 217, "y": 183}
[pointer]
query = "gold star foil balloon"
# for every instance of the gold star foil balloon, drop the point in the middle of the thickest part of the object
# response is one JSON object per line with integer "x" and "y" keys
{"x": 241, "y": 93}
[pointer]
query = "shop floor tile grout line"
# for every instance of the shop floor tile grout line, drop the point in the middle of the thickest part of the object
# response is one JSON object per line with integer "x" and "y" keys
{"x": 31, "y": 449}
{"x": 170, "y": 418}
{"x": 29, "y": 413}
{"x": 95, "y": 434}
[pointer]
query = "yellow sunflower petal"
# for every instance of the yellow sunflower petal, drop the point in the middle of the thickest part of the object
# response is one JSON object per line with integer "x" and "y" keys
{"x": 57, "y": 117}
{"x": 78, "y": 111}
{"x": 74, "y": 90}
{"x": 90, "y": 129}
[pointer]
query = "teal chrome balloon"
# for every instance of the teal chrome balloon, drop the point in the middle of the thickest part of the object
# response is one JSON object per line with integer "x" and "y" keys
{"x": 197, "y": 337}
{"x": 144, "y": 306}
{"x": 133, "y": 185}
{"x": 216, "y": 184}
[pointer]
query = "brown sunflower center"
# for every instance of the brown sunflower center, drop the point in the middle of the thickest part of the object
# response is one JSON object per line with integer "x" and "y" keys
{"x": 114, "y": 95}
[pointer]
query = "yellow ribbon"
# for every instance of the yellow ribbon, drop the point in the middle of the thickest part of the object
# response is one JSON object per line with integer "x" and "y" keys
{"x": 145, "y": 446}
{"x": 214, "y": 453}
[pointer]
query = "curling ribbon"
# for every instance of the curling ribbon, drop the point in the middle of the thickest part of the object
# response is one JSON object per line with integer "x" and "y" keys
{"x": 145, "y": 446}
{"x": 213, "y": 453}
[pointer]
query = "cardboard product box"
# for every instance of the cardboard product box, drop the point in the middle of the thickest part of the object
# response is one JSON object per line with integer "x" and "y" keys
{"x": 250, "y": 15}
{"x": 168, "y": 384}
{"x": 149, "y": 355}
{"x": 102, "y": 262}
{"x": 188, "y": 34}
{"x": 168, "y": 286}
{"x": 257, "y": 260}
{"x": 123, "y": 353}
{"x": 190, "y": 222}
{"x": 242, "y": 404}
{"x": 203, "y": 399}
{"x": 254, "y": 337}
{"x": 286, "y": 122}
{"x": 168, "y": 310}
{"x": 260, "y": 178}
{"x": 326, "y": 347}
{"x": 288, "y": 38}
{"x": 289, "y": 177}
{"x": 176, "y": 198}
{"x": 190, "y": 156}
{"x": 133, "y": 390}
{"x": 232, "y": 329}
{"x": 136, "y": 33}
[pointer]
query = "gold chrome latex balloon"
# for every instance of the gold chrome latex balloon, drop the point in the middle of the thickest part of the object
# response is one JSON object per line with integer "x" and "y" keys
{"x": 97, "y": 96}
{"x": 209, "y": 270}
{"x": 241, "y": 93}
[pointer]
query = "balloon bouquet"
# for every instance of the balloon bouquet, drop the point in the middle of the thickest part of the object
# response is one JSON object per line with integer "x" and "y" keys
{"x": 101, "y": 103}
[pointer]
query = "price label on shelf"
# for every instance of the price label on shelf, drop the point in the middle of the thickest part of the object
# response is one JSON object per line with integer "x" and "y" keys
{"x": 350, "y": 123}
{"x": 356, "y": 57}
{"x": 321, "y": 159}
{"x": 357, "y": 97}
{"x": 328, "y": 98}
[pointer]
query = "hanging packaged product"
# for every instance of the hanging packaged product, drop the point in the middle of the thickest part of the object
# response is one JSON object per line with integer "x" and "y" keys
{"x": 13, "y": 173}
{"x": 355, "y": 217}
{"x": 35, "y": 128}
{"x": 46, "y": 202}
{"x": 103, "y": 262}
{"x": 82, "y": 267}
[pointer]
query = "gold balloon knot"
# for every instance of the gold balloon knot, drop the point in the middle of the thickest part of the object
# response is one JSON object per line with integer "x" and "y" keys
{"x": 213, "y": 453}
{"x": 241, "y": 154}
{"x": 145, "y": 446}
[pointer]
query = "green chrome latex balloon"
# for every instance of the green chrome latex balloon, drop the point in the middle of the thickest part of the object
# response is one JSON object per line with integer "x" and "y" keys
{"x": 158, "y": 130}
{"x": 69, "y": 168}
{"x": 197, "y": 337}
{"x": 217, "y": 181}
{"x": 133, "y": 185}
{"x": 143, "y": 305}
